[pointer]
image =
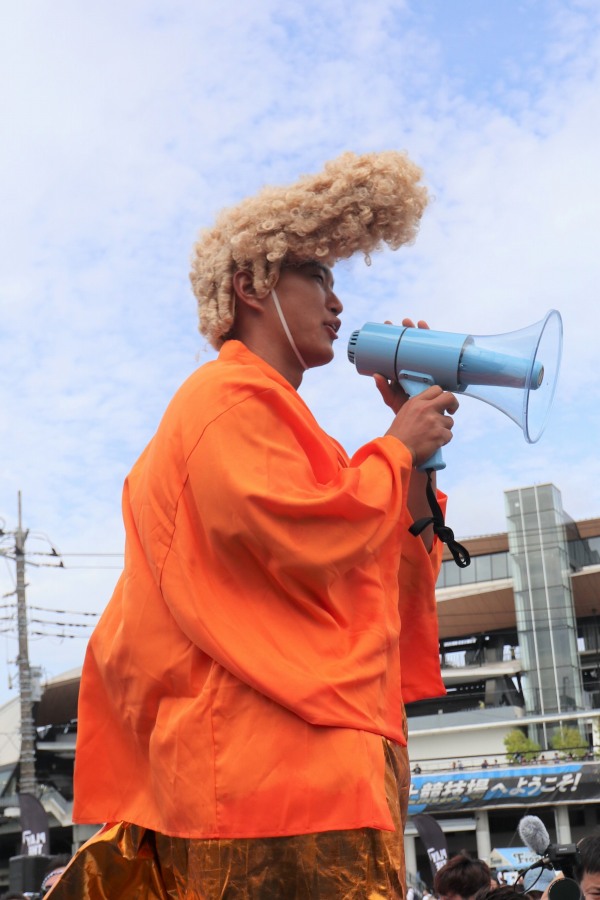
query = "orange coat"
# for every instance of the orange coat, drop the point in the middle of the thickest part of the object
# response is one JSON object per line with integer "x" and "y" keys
{"x": 242, "y": 675}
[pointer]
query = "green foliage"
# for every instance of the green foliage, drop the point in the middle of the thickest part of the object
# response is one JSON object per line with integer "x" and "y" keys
{"x": 519, "y": 746}
{"x": 569, "y": 740}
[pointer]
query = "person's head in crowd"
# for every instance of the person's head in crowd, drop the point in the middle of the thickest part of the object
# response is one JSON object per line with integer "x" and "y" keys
{"x": 503, "y": 892}
{"x": 461, "y": 878}
{"x": 56, "y": 867}
{"x": 587, "y": 872}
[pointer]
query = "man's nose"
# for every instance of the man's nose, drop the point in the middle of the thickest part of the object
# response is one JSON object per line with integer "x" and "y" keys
{"x": 335, "y": 304}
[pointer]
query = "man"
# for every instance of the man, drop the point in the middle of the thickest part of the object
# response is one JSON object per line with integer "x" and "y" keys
{"x": 588, "y": 869}
{"x": 241, "y": 722}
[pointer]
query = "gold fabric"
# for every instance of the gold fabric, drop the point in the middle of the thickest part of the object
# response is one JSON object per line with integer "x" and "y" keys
{"x": 127, "y": 861}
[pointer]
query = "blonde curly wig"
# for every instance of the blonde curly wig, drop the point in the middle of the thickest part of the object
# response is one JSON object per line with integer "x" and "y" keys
{"x": 356, "y": 204}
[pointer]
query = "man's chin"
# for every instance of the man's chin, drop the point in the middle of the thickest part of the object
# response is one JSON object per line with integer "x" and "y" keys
{"x": 322, "y": 359}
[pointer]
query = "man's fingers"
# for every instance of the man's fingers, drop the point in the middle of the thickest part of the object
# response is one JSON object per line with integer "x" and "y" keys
{"x": 393, "y": 394}
{"x": 444, "y": 400}
{"x": 453, "y": 403}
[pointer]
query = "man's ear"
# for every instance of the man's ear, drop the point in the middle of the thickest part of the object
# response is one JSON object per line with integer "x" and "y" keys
{"x": 245, "y": 291}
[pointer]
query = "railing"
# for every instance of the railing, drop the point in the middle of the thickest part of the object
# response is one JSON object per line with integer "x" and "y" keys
{"x": 470, "y": 763}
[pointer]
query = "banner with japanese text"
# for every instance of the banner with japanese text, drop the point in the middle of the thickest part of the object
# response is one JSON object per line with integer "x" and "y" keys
{"x": 504, "y": 786}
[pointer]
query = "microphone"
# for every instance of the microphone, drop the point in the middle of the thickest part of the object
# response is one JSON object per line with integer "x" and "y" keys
{"x": 534, "y": 835}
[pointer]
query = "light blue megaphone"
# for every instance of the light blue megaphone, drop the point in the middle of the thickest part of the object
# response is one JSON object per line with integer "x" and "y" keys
{"x": 516, "y": 372}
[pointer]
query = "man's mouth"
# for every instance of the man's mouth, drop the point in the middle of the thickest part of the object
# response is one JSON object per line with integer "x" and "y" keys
{"x": 333, "y": 328}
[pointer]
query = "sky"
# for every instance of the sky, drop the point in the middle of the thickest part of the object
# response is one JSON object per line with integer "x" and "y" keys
{"x": 127, "y": 126}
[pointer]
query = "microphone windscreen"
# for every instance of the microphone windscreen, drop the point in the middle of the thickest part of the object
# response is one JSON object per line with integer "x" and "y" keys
{"x": 534, "y": 835}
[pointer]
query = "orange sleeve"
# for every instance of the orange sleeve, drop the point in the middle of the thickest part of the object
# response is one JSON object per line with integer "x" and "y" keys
{"x": 257, "y": 476}
{"x": 292, "y": 600}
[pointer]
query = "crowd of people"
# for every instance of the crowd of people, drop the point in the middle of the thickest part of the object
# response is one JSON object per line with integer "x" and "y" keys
{"x": 465, "y": 878}
{"x": 519, "y": 759}
{"x": 462, "y": 877}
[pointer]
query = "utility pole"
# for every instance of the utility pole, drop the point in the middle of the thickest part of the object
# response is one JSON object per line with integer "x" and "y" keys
{"x": 27, "y": 783}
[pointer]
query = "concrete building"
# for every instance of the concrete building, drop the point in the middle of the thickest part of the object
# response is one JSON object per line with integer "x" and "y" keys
{"x": 520, "y": 650}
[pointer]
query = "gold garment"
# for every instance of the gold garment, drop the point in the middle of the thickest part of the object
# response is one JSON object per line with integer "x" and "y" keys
{"x": 127, "y": 861}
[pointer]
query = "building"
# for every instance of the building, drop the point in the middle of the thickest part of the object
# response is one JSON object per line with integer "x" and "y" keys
{"x": 520, "y": 649}
{"x": 56, "y": 725}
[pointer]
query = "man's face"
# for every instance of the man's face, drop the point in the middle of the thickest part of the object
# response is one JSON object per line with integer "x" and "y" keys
{"x": 311, "y": 310}
{"x": 590, "y": 886}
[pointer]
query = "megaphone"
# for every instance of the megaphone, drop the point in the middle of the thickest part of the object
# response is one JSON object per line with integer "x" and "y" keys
{"x": 516, "y": 372}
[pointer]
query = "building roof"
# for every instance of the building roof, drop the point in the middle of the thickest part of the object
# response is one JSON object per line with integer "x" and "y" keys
{"x": 57, "y": 706}
{"x": 490, "y": 605}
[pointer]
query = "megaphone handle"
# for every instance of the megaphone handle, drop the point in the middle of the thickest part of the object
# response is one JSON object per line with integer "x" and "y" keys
{"x": 415, "y": 383}
{"x": 435, "y": 462}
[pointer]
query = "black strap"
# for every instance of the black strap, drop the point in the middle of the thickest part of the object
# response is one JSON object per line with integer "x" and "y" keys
{"x": 460, "y": 554}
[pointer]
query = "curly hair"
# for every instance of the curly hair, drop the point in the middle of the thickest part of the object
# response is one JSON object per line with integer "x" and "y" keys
{"x": 357, "y": 203}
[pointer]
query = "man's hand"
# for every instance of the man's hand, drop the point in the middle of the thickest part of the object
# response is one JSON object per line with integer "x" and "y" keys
{"x": 423, "y": 424}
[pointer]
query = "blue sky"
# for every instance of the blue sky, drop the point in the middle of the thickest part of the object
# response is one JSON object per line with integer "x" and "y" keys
{"x": 128, "y": 126}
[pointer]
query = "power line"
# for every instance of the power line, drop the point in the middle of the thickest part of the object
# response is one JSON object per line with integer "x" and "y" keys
{"x": 541, "y": 532}
{"x": 61, "y": 635}
{"x": 66, "y": 612}
{"x": 121, "y": 554}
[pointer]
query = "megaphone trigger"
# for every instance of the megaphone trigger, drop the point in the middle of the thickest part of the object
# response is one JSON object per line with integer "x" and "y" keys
{"x": 415, "y": 383}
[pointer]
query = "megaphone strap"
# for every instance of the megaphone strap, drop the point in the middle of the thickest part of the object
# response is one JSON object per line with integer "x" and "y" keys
{"x": 460, "y": 554}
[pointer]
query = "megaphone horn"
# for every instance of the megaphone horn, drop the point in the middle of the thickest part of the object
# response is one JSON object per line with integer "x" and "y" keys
{"x": 516, "y": 372}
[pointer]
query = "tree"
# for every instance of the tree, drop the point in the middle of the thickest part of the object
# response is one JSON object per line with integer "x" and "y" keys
{"x": 519, "y": 746}
{"x": 569, "y": 741}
